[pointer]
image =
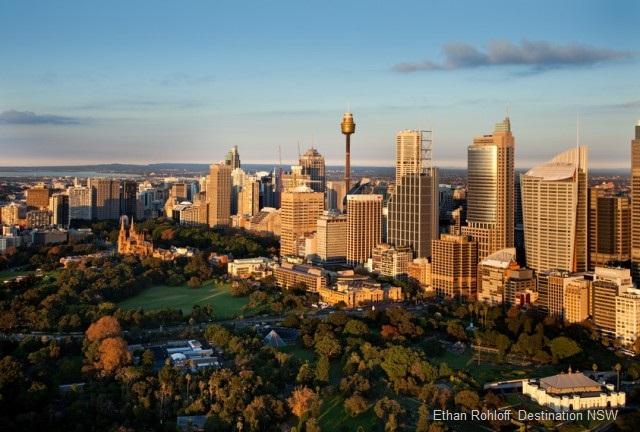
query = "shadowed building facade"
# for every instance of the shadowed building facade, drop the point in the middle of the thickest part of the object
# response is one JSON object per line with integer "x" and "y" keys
{"x": 413, "y": 209}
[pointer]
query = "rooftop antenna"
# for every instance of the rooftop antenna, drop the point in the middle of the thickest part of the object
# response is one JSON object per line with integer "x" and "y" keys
{"x": 299, "y": 154}
{"x": 507, "y": 110}
{"x": 313, "y": 141}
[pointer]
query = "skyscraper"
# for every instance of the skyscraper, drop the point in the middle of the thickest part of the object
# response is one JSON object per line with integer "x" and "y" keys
{"x": 454, "y": 266}
{"x": 490, "y": 190}
{"x": 554, "y": 205}
{"x": 233, "y": 158}
{"x": 312, "y": 164}
{"x": 59, "y": 208}
{"x": 364, "y": 227}
{"x": 249, "y": 197}
{"x": 300, "y": 210}
{"x": 128, "y": 198}
{"x": 106, "y": 198}
{"x": 609, "y": 226}
{"x": 330, "y": 235}
{"x": 335, "y": 194}
{"x": 413, "y": 209}
{"x": 80, "y": 203}
{"x": 38, "y": 196}
{"x": 635, "y": 206}
{"x": 219, "y": 195}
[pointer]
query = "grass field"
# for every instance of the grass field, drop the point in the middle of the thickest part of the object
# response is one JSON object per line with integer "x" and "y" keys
{"x": 8, "y": 274}
{"x": 333, "y": 417}
{"x": 184, "y": 298}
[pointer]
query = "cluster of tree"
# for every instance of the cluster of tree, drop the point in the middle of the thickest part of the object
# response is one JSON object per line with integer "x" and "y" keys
{"x": 77, "y": 295}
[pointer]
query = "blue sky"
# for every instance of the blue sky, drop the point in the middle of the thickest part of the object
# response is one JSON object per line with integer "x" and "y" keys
{"x": 166, "y": 81}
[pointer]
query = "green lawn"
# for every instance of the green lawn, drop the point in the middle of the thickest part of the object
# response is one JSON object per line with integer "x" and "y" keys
{"x": 299, "y": 352}
{"x": 184, "y": 298}
{"x": 334, "y": 418}
{"x": 8, "y": 274}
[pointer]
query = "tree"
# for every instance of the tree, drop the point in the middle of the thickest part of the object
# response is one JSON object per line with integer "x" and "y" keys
{"x": 302, "y": 400}
{"x": 356, "y": 328}
{"x": 355, "y": 405}
{"x": 423, "y": 418}
{"x": 467, "y": 399}
{"x": 328, "y": 345}
{"x": 563, "y": 347}
{"x": 322, "y": 369}
{"x": 113, "y": 355}
{"x": 103, "y": 328}
{"x": 618, "y": 368}
{"x": 305, "y": 373}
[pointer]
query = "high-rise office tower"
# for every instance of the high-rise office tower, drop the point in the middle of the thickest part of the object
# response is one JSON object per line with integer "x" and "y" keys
{"x": 295, "y": 178}
{"x": 249, "y": 197}
{"x": 413, "y": 209}
{"x": 364, "y": 227}
{"x": 237, "y": 180}
{"x": 609, "y": 226}
{"x": 300, "y": 209}
{"x": 312, "y": 164}
{"x": 38, "y": 196}
{"x": 233, "y": 158}
{"x": 335, "y": 194}
{"x": 454, "y": 266}
{"x": 554, "y": 206}
{"x": 80, "y": 203}
{"x": 59, "y": 208}
{"x": 179, "y": 191}
{"x": 106, "y": 198}
{"x": 490, "y": 190}
{"x": 347, "y": 127}
{"x": 219, "y": 195}
{"x": 129, "y": 198}
{"x": 331, "y": 232}
{"x": 635, "y": 206}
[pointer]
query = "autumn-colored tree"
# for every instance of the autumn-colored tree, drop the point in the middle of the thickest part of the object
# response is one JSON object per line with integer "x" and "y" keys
{"x": 103, "y": 328}
{"x": 113, "y": 354}
{"x": 302, "y": 400}
{"x": 389, "y": 331}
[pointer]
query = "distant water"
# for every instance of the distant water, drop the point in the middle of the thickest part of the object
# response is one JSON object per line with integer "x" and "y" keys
{"x": 38, "y": 173}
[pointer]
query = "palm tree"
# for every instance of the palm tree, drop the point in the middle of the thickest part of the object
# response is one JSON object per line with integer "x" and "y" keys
{"x": 618, "y": 368}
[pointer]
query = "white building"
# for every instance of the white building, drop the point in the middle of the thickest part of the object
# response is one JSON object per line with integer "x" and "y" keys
{"x": 244, "y": 268}
{"x": 572, "y": 392}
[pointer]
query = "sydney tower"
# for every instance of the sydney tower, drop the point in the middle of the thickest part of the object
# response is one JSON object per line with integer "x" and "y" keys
{"x": 348, "y": 127}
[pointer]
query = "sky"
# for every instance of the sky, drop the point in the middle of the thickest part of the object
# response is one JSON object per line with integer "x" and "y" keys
{"x": 167, "y": 81}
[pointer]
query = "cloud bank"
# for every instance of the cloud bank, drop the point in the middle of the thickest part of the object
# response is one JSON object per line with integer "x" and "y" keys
{"x": 14, "y": 117}
{"x": 536, "y": 55}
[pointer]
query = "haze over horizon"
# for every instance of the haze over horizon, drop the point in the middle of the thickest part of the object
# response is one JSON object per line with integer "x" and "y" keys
{"x": 91, "y": 83}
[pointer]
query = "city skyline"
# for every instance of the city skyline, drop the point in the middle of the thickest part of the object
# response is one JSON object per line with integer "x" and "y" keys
{"x": 73, "y": 92}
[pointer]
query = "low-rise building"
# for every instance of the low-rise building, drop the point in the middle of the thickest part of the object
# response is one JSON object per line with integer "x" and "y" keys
{"x": 251, "y": 267}
{"x": 357, "y": 292}
{"x": 572, "y": 391}
{"x": 289, "y": 274}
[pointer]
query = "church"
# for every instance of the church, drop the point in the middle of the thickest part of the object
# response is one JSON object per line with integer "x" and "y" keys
{"x": 132, "y": 242}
